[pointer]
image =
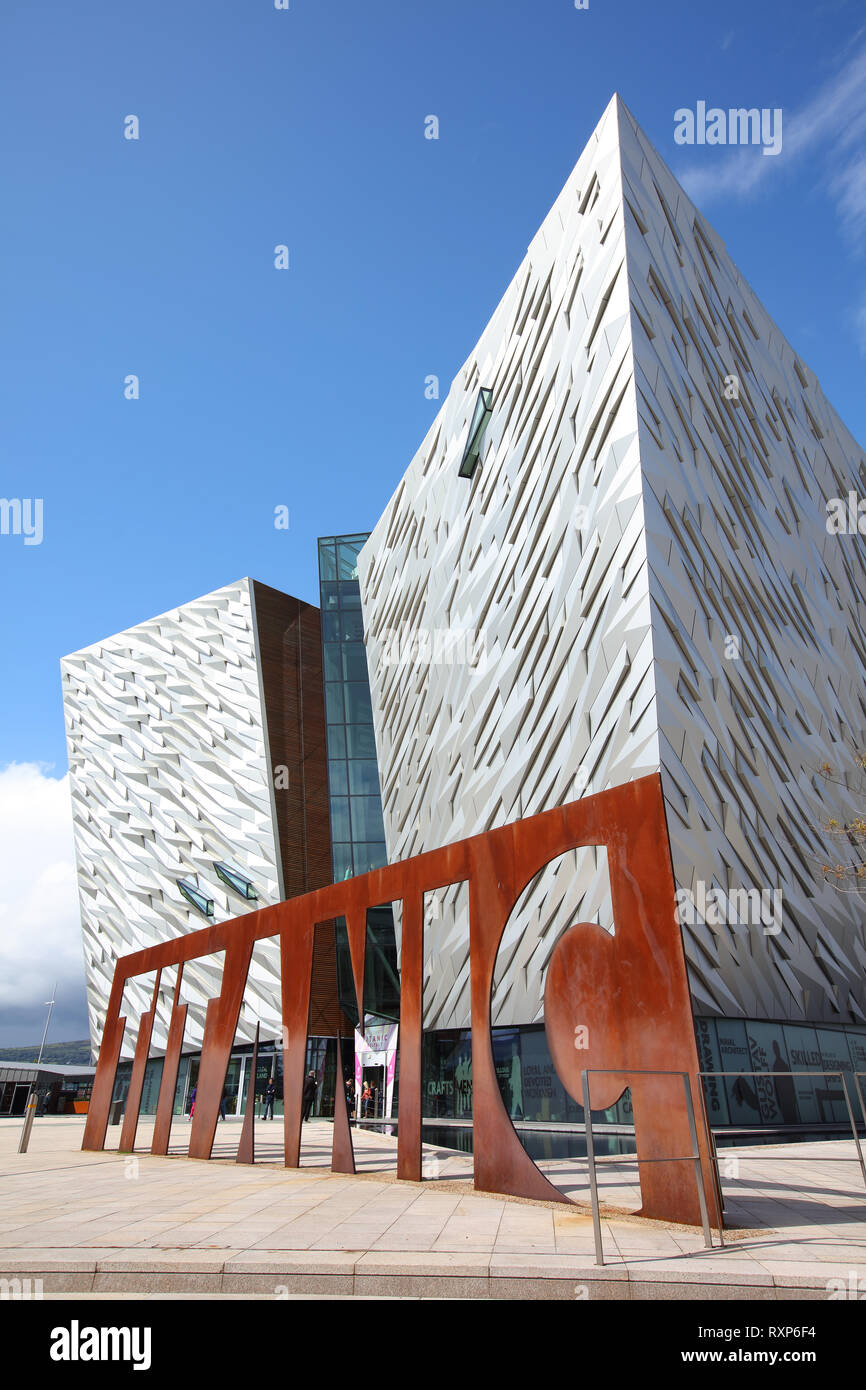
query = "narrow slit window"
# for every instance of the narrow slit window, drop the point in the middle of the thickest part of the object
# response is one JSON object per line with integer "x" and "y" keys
{"x": 480, "y": 421}
{"x": 198, "y": 899}
{"x": 235, "y": 880}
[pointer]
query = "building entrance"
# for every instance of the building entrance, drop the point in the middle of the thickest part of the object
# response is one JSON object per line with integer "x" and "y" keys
{"x": 374, "y": 1077}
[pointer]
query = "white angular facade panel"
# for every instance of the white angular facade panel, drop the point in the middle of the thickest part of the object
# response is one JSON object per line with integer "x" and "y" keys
{"x": 740, "y": 452}
{"x": 542, "y": 556}
{"x": 169, "y": 772}
{"x": 627, "y": 518}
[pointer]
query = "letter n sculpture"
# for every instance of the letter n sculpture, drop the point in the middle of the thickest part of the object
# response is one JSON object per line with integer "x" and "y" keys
{"x": 625, "y": 994}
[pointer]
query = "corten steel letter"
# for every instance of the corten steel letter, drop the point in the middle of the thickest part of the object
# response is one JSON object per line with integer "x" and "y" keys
{"x": 296, "y": 972}
{"x": 439, "y": 868}
{"x": 411, "y": 1034}
{"x": 500, "y": 1162}
{"x": 136, "y": 1081}
{"x": 342, "y": 1148}
{"x": 170, "y": 1068}
{"x": 221, "y": 1022}
{"x": 247, "y": 1145}
{"x": 629, "y": 992}
{"x": 623, "y": 1001}
{"x": 106, "y": 1067}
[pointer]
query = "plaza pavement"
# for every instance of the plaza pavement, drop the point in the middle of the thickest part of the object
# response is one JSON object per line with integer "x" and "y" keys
{"x": 109, "y": 1224}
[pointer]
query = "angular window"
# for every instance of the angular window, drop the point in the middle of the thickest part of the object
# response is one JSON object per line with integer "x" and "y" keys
{"x": 342, "y": 862}
{"x": 348, "y": 548}
{"x": 367, "y": 818}
{"x": 355, "y": 661}
{"x": 236, "y": 881}
{"x": 369, "y": 856}
{"x": 337, "y": 780}
{"x": 480, "y": 421}
{"x": 334, "y": 703}
{"x": 192, "y": 895}
{"x": 336, "y": 739}
{"x": 359, "y": 709}
{"x": 340, "y": 818}
{"x": 327, "y": 559}
{"x": 350, "y": 594}
{"x": 351, "y": 625}
{"x": 361, "y": 741}
{"x": 333, "y": 669}
{"x": 364, "y": 778}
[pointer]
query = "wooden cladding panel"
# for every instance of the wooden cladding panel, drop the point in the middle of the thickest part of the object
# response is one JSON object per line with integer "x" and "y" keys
{"x": 290, "y": 647}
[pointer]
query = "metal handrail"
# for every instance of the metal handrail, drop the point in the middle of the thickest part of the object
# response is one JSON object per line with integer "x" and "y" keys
{"x": 739, "y": 1072}
{"x": 856, "y": 1075}
{"x": 694, "y": 1157}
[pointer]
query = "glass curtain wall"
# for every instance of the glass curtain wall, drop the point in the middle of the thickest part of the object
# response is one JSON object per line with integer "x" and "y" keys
{"x": 357, "y": 830}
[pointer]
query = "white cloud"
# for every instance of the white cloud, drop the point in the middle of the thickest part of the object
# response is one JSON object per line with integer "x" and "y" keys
{"x": 833, "y": 122}
{"x": 40, "y": 926}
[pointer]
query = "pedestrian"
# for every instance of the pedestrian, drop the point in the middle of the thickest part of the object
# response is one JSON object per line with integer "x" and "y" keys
{"x": 311, "y": 1085}
{"x": 192, "y": 1102}
{"x": 270, "y": 1093}
{"x": 223, "y": 1106}
{"x": 366, "y": 1100}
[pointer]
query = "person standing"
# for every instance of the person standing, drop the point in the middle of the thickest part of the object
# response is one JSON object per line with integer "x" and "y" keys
{"x": 192, "y": 1102}
{"x": 270, "y": 1094}
{"x": 350, "y": 1096}
{"x": 311, "y": 1085}
{"x": 366, "y": 1101}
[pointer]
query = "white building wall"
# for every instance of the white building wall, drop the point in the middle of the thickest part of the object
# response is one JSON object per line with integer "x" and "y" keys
{"x": 543, "y": 556}
{"x": 625, "y": 519}
{"x": 169, "y": 772}
{"x": 740, "y": 451}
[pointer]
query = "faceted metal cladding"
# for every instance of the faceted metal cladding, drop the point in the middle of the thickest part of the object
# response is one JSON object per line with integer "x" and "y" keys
{"x": 642, "y": 554}
{"x": 199, "y": 787}
{"x": 169, "y": 771}
{"x": 626, "y": 996}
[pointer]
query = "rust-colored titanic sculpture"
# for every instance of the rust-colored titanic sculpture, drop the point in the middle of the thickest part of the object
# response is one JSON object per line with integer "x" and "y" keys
{"x": 612, "y": 1002}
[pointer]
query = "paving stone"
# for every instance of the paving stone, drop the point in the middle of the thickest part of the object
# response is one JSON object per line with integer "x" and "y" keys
{"x": 696, "y": 1289}
{"x": 422, "y": 1286}
{"x": 570, "y": 1290}
{"x": 82, "y": 1219}
{"x": 427, "y": 1263}
{"x": 274, "y": 1284}
{"x": 555, "y": 1267}
{"x": 48, "y": 1259}
{"x": 289, "y": 1262}
{"x": 155, "y": 1281}
{"x": 147, "y": 1260}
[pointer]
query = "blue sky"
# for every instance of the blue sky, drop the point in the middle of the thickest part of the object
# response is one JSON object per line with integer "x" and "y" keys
{"x": 305, "y": 388}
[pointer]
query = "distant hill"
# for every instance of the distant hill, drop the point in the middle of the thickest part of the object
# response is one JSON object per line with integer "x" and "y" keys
{"x": 70, "y": 1053}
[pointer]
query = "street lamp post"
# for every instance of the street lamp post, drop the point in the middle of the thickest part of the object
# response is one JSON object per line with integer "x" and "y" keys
{"x": 33, "y": 1098}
